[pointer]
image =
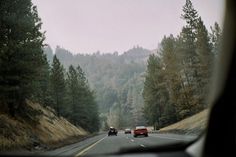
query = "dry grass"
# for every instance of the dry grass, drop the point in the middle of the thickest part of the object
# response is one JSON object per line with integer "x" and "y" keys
{"x": 194, "y": 124}
{"x": 18, "y": 134}
{"x": 11, "y": 134}
{"x": 53, "y": 128}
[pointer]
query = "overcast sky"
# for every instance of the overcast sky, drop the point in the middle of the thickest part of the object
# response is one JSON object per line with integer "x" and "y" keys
{"x": 86, "y": 26}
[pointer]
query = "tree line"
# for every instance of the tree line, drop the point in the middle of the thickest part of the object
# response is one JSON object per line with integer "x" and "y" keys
{"x": 178, "y": 76}
{"x": 72, "y": 96}
{"x": 116, "y": 79}
{"x": 25, "y": 72}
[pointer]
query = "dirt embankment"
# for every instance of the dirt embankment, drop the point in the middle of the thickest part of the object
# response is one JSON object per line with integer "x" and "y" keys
{"x": 48, "y": 132}
{"x": 193, "y": 125}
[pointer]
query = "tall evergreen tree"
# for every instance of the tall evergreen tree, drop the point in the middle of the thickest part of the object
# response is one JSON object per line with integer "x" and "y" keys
{"x": 177, "y": 81}
{"x": 89, "y": 118}
{"x": 172, "y": 70}
{"x": 154, "y": 91}
{"x": 58, "y": 84}
{"x": 188, "y": 39}
{"x": 206, "y": 58}
{"x": 73, "y": 89}
{"x": 20, "y": 51}
{"x": 42, "y": 88}
{"x": 190, "y": 15}
{"x": 189, "y": 47}
{"x": 215, "y": 38}
{"x": 75, "y": 98}
{"x": 81, "y": 104}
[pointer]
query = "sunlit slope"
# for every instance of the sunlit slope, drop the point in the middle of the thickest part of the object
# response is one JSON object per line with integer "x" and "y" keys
{"x": 49, "y": 132}
{"x": 191, "y": 125}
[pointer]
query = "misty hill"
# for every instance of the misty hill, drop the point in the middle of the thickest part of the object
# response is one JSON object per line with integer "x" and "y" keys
{"x": 116, "y": 79}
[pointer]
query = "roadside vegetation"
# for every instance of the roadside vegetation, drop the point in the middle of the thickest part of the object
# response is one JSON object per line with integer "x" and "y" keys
{"x": 48, "y": 97}
{"x": 117, "y": 82}
{"x": 48, "y": 132}
{"x": 26, "y": 74}
{"x": 193, "y": 125}
{"x": 178, "y": 76}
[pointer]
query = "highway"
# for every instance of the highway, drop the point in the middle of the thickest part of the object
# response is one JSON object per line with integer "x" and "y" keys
{"x": 103, "y": 144}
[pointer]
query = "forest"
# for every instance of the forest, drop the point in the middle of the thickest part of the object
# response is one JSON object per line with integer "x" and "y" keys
{"x": 152, "y": 87}
{"x": 178, "y": 76}
{"x": 138, "y": 87}
{"x": 117, "y": 81}
{"x": 25, "y": 72}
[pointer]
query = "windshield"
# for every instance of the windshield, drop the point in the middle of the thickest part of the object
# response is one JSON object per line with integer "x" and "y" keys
{"x": 79, "y": 77}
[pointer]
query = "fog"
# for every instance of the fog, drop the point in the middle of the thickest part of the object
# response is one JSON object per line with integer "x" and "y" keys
{"x": 86, "y": 26}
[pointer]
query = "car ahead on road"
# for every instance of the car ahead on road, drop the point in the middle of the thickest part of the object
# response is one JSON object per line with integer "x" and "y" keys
{"x": 127, "y": 131}
{"x": 112, "y": 131}
{"x": 140, "y": 130}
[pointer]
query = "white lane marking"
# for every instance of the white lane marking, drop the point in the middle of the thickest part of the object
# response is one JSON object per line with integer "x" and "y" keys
{"x": 171, "y": 138}
{"x": 132, "y": 140}
{"x": 89, "y": 147}
{"x": 142, "y": 145}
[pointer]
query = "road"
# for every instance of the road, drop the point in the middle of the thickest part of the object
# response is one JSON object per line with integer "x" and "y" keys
{"x": 102, "y": 143}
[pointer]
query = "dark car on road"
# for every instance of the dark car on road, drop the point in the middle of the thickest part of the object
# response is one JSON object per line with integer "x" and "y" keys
{"x": 112, "y": 131}
{"x": 140, "y": 130}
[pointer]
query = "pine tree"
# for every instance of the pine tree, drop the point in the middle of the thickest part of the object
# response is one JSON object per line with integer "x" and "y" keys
{"x": 42, "y": 89}
{"x": 206, "y": 58}
{"x": 154, "y": 92}
{"x": 172, "y": 70}
{"x": 58, "y": 85}
{"x": 20, "y": 51}
{"x": 190, "y": 16}
{"x": 215, "y": 38}
{"x": 188, "y": 39}
{"x": 127, "y": 109}
{"x": 83, "y": 110}
{"x": 73, "y": 84}
{"x": 191, "y": 62}
{"x": 90, "y": 119}
{"x": 73, "y": 95}
{"x": 93, "y": 114}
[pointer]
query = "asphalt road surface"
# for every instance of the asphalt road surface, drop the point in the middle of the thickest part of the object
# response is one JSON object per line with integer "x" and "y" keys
{"x": 103, "y": 144}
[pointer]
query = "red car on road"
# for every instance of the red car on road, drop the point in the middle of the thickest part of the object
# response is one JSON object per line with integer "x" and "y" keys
{"x": 140, "y": 130}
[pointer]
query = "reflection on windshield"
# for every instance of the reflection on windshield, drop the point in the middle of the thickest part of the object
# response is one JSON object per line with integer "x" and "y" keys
{"x": 53, "y": 93}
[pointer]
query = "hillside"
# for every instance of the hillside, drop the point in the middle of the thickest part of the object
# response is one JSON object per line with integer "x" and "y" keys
{"x": 48, "y": 132}
{"x": 116, "y": 79}
{"x": 191, "y": 125}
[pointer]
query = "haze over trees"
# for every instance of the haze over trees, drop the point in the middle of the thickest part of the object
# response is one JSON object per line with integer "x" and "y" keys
{"x": 116, "y": 79}
{"x": 177, "y": 79}
{"x": 132, "y": 89}
{"x": 71, "y": 96}
{"x": 100, "y": 90}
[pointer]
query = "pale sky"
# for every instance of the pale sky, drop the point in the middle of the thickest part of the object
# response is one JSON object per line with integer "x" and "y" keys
{"x": 86, "y": 26}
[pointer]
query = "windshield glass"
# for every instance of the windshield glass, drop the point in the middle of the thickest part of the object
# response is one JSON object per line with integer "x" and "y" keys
{"x": 84, "y": 77}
